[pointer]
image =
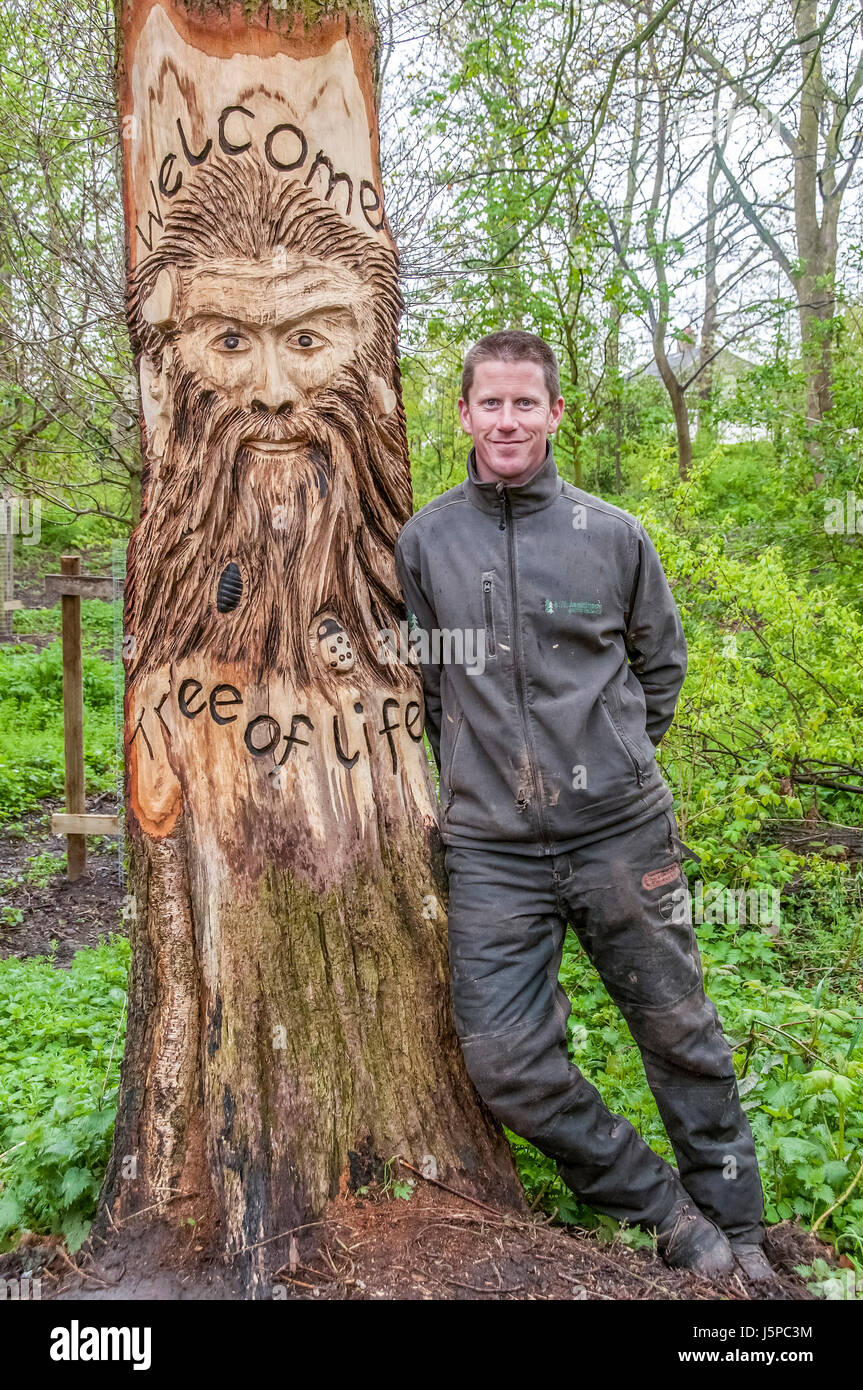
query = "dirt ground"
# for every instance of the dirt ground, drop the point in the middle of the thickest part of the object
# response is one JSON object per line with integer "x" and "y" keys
{"x": 72, "y": 914}
{"x": 433, "y": 1246}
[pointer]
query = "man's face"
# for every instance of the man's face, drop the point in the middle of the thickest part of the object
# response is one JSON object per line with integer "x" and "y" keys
{"x": 510, "y": 416}
{"x": 267, "y": 339}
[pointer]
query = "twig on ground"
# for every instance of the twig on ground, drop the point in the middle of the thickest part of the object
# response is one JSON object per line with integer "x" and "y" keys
{"x": 176, "y": 1191}
{"x": 111, "y": 1054}
{"x": 839, "y": 1200}
{"x": 455, "y": 1193}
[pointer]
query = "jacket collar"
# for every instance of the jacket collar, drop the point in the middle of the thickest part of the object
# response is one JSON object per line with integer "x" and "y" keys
{"x": 532, "y": 496}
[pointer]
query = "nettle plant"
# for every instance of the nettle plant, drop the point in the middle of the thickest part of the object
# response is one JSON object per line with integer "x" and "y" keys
{"x": 61, "y": 1043}
{"x": 772, "y": 698}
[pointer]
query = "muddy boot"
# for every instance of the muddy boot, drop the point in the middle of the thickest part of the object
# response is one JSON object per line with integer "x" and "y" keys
{"x": 687, "y": 1240}
{"x": 752, "y": 1260}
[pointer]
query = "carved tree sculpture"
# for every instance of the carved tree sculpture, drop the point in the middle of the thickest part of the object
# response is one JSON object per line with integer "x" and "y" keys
{"x": 289, "y": 1015}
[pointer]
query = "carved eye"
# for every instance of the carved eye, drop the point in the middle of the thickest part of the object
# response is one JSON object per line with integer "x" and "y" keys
{"x": 231, "y": 341}
{"x": 306, "y": 340}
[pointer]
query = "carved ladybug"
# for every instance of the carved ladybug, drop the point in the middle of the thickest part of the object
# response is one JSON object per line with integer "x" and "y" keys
{"x": 334, "y": 645}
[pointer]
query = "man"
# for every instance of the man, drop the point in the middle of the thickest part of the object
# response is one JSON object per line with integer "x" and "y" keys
{"x": 554, "y": 813}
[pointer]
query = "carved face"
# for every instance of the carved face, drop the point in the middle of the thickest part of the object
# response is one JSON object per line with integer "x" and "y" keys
{"x": 267, "y": 339}
{"x": 276, "y": 451}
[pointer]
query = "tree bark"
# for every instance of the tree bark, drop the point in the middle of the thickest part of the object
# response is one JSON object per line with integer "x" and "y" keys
{"x": 622, "y": 248}
{"x": 656, "y": 251}
{"x": 705, "y": 434}
{"x": 289, "y": 1020}
{"x": 817, "y": 242}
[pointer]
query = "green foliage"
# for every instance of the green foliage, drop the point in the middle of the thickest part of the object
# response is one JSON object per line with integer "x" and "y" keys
{"x": 31, "y": 717}
{"x": 97, "y": 622}
{"x": 61, "y": 1043}
{"x": 40, "y": 869}
{"x": 772, "y": 695}
{"x": 799, "y": 1060}
{"x": 825, "y": 1281}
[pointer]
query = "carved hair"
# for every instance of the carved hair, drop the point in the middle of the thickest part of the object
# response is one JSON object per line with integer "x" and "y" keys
{"x": 348, "y": 496}
{"x": 238, "y": 208}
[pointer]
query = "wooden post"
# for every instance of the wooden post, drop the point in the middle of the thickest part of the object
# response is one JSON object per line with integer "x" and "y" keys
{"x": 289, "y": 1021}
{"x": 73, "y": 718}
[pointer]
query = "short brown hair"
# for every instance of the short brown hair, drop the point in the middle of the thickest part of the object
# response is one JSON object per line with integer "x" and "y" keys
{"x": 512, "y": 345}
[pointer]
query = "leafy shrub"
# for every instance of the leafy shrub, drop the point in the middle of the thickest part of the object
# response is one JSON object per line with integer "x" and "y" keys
{"x": 31, "y": 726}
{"x": 58, "y": 1087}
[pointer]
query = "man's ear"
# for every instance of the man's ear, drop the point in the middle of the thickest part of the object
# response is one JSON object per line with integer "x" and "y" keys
{"x": 157, "y": 400}
{"x": 464, "y": 416}
{"x": 556, "y": 413}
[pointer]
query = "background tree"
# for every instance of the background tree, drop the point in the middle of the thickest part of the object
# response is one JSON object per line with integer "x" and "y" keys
{"x": 801, "y": 139}
{"x": 68, "y": 431}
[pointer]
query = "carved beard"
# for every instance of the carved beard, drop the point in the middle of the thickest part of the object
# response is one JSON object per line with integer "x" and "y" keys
{"x": 310, "y": 531}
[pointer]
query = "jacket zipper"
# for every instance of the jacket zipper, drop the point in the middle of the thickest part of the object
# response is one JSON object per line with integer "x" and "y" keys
{"x": 518, "y": 658}
{"x": 488, "y": 612}
{"x": 639, "y": 772}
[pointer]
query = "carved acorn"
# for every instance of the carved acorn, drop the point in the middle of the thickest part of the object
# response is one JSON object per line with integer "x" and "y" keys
{"x": 230, "y": 588}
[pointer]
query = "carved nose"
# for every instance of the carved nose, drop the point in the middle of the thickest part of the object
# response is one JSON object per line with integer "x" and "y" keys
{"x": 274, "y": 389}
{"x": 271, "y": 406}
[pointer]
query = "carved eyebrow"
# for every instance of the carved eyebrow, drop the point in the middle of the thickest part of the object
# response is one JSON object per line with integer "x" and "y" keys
{"x": 338, "y": 313}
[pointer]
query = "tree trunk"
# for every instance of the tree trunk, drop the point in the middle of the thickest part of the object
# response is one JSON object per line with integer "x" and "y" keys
{"x": 679, "y": 409}
{"x": 613, "y": 351}
{"x": 656, "y": 251}
{"x": 289, "y": 1022}
{"x": 706, "y": 433}
{"x": 817, "y": 242}
{"x": 612, "y": 363}
{"x": 817, "y": 308}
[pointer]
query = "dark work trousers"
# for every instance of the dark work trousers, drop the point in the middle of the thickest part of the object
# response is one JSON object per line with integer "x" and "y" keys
{"x": 625, "y": 897}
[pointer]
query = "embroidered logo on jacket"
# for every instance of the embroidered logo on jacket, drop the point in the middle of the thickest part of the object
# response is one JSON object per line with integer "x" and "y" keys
{"x": 571, "y": 605}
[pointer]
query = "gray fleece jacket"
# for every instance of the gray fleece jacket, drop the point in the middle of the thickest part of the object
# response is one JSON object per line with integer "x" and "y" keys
{"x": 552, "y": 656}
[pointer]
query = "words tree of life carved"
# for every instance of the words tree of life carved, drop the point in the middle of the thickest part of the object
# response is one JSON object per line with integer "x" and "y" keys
{"x": 289, "y": 1019}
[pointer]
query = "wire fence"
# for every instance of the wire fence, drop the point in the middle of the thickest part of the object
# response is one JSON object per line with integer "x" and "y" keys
{"x": 118, "y": 579}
